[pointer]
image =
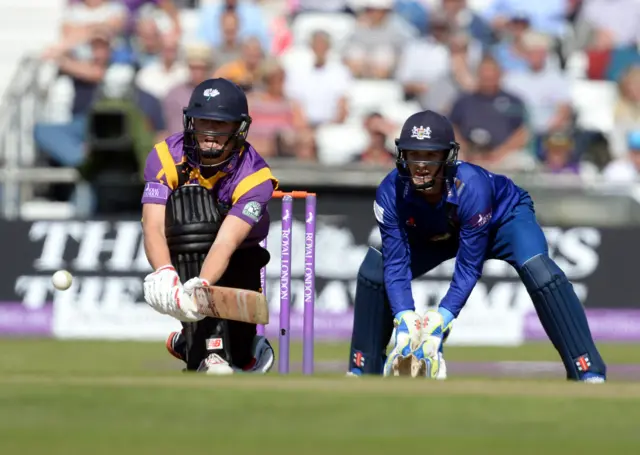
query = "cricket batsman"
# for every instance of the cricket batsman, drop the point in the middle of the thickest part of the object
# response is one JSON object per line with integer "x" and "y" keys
{"x": 432, "y": 208}
{"x": 204, "y": 212}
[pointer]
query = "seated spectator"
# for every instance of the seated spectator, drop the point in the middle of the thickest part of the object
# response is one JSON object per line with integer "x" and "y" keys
{"x": 561, "y": 156}
{"x": 626, "y": 169}
{"x": 63, "y": 144}
{"x": 453, "y": 57}
{"x": 244, "y": 70}
{"x": 253, "y": 22}
{"x": 84, "y": 18}
{"x": 160, "y": 77}
{"x": 415, "y": 76}
{"x": 377, "y": 153}
{"x": 461, "y": 17}
{"x": 508, "y": 51}
{"x": 278, "y": 122}
{"x": 465, "y": 55}
{"x": 138, "y": 8}
{"x": 544, "y": 89}
{"x": 626, "y": 111}
{"x": 614, "y": 23}
{"x": 546, "y": 16}
{"x": 378, "y": 38}
{"x": 199, "y": 59}
{"x": 321, "y": 89}
{"x": 231, "y": 47}
{"x": 490, "y": 122}
{"x": 612, "y": 28}
{"x": 143, "y": 47}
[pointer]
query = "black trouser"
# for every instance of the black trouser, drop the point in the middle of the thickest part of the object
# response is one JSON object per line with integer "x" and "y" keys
{"x": 243, "y": 272}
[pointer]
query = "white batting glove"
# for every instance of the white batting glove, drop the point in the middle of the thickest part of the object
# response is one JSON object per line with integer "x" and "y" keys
{"x": 158, "y": 287}
{"x": 193, "y": 283}
{"x": 163, "y": 292}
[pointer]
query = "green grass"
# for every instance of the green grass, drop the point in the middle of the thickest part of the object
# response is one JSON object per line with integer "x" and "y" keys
{"x": 88, "y": 397}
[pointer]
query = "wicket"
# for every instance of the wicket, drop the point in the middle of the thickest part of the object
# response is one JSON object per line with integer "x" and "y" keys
{"x": 284, "y": 333}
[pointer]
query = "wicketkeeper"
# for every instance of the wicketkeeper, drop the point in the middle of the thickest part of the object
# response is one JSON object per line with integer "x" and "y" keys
{"x": 204, "y": 213}
{"x": 433, "y": 208}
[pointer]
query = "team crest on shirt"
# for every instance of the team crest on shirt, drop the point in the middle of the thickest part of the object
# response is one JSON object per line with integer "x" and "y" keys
{"x": 421, "y": 132}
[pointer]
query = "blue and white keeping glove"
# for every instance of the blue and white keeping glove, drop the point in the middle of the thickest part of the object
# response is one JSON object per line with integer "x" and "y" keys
{"x": 436, "y": 326}
{"x": 407, "y": 338}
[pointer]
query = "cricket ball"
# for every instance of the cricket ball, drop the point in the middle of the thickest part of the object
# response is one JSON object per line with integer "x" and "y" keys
{"x": 62, "y": 280}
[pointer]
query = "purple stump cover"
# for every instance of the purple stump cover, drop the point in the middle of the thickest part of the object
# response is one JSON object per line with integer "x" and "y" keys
{"x": 309, "y": 283}
{"x": 285, "y": 283}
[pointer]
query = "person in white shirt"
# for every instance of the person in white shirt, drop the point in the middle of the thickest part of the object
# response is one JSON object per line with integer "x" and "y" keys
{"x": 627, "y": 169}
{"x": 158, "y": 78}
{"x": 321, "y": 89}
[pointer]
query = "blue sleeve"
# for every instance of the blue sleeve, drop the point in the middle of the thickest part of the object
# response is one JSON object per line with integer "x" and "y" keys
{"x": 396, "y": 254}
{"x": 474, "y": 212}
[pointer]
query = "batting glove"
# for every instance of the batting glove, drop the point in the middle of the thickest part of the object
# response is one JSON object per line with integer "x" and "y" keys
{"x": 194, "y": 283}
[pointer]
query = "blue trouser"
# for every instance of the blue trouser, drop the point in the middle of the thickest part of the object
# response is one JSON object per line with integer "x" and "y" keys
{"x": 520, "y": 241}
{"x": 517, "y": 240}
{"x": 63, "y": 142}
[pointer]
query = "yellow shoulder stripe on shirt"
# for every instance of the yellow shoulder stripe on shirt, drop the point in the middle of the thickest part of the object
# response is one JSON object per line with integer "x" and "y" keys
{"x": 168, "y": 165}
{"x": 251, "y": 181}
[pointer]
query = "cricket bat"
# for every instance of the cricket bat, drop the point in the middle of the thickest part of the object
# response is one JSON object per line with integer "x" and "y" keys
{"x": 231, "y": 303}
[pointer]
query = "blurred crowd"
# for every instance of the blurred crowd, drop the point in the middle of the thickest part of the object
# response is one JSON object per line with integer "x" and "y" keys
{"x": 501, "y": 70}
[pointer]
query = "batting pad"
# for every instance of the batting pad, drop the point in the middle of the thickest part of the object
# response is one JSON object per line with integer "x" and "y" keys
{"x": 372, "y": 318}
{"x": 562, "y": 316}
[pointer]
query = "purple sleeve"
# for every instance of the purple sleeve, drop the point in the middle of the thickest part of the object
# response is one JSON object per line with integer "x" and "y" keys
{"x": 156, "y": 190}
{"x": 253, "y": 204}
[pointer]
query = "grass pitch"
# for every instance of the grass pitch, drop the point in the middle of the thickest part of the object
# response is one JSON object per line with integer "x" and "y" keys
{"x": 81, "y": 397}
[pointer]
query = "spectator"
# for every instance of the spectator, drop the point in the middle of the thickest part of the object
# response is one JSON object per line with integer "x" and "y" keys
{"x": 415, "y": 76}
{"x": 626, "y": 110}
{"x": 244, "y": 70}
{"x": 137, "y": 8}
{"x": 83, "y": 19}
{"x": 461, "y": 17}
{"x": 278, "y": 122}
{"x": 231, "y": 48}
{"x": 465, "y": 55}
{"x": 451, "y": 55}
{"x": 490, "y": 123}
{"x": 612, "y": 29}
{"x": 546, "y": 16}
{"x": 251, "y": 17}
{"x": 377, "y": 153}
{"x": 160, "y": 77}
{"x": 321, "y": 89}
{"x": 64, "y": 143}
{"x": 509, "y": 51}
{"x": 145, "y": 46}
{"x": 199, "y": 58}
{"x": 544, "y": 89}
{"x": 378, "y": 37}
{"x": 614, "y": 23}
{"x": 560, "y": 156}
{"x": 626, "y": 169}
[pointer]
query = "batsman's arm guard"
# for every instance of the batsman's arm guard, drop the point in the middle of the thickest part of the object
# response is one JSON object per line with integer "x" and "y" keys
{"x": 372, "y": 318}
